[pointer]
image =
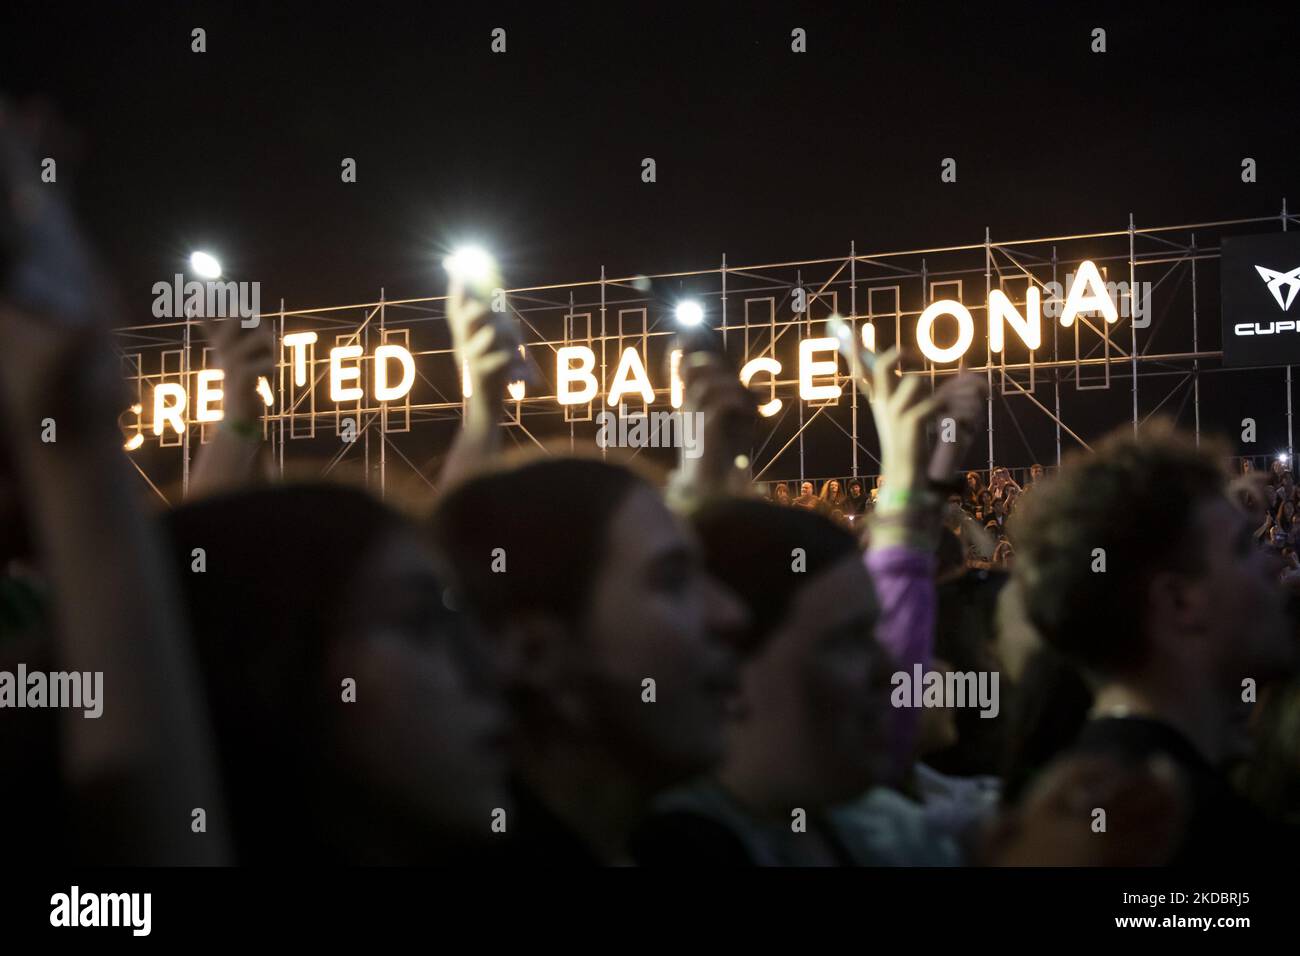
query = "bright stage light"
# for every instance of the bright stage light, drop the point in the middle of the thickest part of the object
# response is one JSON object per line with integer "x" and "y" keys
{"x": 1284, "y": 458}
{"x": 205, "y": 266}
{"x": 689, "y": 313}
{"x": 471, "y": 264}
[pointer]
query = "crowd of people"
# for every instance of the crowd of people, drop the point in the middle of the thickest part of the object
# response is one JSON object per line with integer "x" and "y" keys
{"x": 657, "y": 670}
{"x": 977, "y": 511}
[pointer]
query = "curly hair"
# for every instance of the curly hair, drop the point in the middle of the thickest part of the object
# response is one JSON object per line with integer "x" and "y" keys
{"x": 1136, "y": 500}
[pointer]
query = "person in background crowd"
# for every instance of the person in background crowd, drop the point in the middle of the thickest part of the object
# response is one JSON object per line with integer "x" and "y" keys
{"x": 781, "y": 494}
{"x": 809, "y": 726}
{"x": 807, "y": 499}
{"x": 588, "y": 600}
{"x": 410, "y": 765}
{"x": 1284, "y": 517}
{"x": 833, "y": 499}
{"x": 1158, "y": 636}
{"x": 858, "y": 502}
{"x": 1271, "y": 777}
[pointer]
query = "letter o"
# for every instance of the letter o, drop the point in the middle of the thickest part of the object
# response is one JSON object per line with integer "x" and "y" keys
{"x": 925, "y": 331}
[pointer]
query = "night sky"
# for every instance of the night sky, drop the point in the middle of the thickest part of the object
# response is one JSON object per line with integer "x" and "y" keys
{"x": 762, "y": 154}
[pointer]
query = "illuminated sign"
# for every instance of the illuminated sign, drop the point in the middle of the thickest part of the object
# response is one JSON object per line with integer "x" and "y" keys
{"x": 392, "y": 370}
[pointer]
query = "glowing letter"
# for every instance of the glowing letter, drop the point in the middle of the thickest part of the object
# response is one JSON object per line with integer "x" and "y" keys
{"x": 752, "y": 368}
{"x": 675, "y": 378}
{"x": 339, "y": 374}
{"x": 630, "y": 377}
{"x": 566, "y": 374}
{"x": 925, "y": 331}
{"x": 168, "y": 406}
{"x": 1029, "y": 328}
{"x": 1087, "y": 294}
{"x": 390, "y": 393}
{"x": 205, "y": 395}
{"x": 298, "y": 342}
{"x": 809, "y": 368}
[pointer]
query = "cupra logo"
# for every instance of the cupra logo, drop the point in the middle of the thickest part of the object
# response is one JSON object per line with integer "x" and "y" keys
{"x": 1277, "y": 281}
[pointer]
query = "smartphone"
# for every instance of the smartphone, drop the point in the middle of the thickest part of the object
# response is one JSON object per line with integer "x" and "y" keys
{"x": 480, "y": 281}
{"x": 860, "y": 358}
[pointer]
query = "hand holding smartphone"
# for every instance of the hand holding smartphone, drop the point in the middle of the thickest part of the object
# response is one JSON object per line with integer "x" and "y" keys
{"x": 46, "y": 268}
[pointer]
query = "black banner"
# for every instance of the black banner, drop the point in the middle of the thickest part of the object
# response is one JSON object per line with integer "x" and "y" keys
{"x": 1261, "y": 300}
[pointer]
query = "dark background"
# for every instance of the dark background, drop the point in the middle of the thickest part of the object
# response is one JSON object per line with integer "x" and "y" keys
{"x": 763, "y": 154}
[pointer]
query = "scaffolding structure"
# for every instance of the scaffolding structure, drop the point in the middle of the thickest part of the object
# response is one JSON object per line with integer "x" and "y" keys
{"x": 1165, "y": 346}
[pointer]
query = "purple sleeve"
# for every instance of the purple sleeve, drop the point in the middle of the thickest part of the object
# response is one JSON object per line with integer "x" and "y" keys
{"x": 904, "y": 582}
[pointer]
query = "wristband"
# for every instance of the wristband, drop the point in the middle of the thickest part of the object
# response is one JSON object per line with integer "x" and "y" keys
{"x": 892, "y": 499}
{"x": 244, "y": 429}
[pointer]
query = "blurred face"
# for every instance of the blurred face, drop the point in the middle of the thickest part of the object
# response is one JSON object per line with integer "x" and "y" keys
{"x": 782, "y": 493}
{"x": 806, "y": 488}
{"x": 1036, "y": 471}
{"x": 434, "y": 738}
{"x": 835, "y": 487}
{"x": 810, "y": 724}
{"x": 972, "y": 480}
{"x": 1240, "y": 585}
{"x": 855, "y": 490}
{"x": 656, "y": 614}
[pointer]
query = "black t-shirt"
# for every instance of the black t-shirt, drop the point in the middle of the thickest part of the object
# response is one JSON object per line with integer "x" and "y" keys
{"x": 1223, "y": 828}
{"x": 536, "y": 837}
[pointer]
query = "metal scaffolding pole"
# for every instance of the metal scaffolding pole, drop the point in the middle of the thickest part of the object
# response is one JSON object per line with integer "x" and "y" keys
{"x": 1196, "y": 363}
{"x": 604, "y": 378}
{"x": 282, "y": 419}
{"x": 853, "y": 325}
{"x": 1056, "y": 372}
{"x": 1132, "y": 321}
{"x": 383, "y": 416}
{"x": 988, "y": 348}
{"x": 185, "y": 379}
{"x": 1290, "y": 441}
{"x": 361, "y": 422}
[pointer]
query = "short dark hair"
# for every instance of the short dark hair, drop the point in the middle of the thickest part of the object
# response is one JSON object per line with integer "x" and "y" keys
{"x": 551, "y": 515}
{"x": 1135, "y": 498}
{"x": 748, "y": 546}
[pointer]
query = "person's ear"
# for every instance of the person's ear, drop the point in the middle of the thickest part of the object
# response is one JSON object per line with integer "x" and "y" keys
{"x": 531, "y": 651}
{"x": 540, "y": 654}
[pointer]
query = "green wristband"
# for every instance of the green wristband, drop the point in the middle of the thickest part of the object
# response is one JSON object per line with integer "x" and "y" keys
{"x": 898, "y": 498}
{"x": 244, "y": 429}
